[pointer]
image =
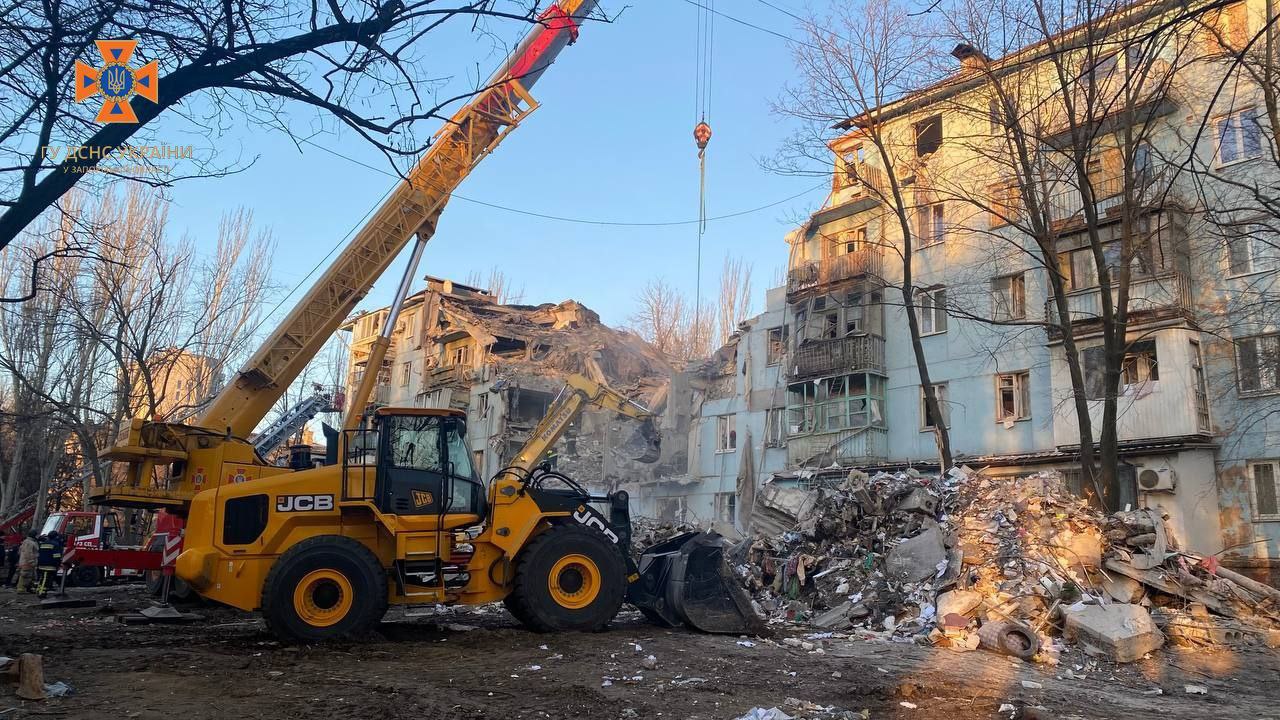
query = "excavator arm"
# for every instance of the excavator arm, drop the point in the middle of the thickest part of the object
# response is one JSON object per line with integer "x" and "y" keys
{"x": 578, "y": 393}
{"x": 167, "y": 463}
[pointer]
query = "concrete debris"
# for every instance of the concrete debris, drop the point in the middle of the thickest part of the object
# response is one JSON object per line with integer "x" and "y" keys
{"x": 1122, "y": 633}
{"x": 965, "y": 560}
{"x": 772, "y": 713}
{"x": 1196, "y": 689}
{"x": 916, "y": 559}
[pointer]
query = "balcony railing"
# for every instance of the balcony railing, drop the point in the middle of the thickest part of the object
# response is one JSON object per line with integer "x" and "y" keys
{"x": 865, "y": 261}
{"x": 863, "y": 445}
{"x": 1163, "y": 294}
{"x": 846, "y": 354}
{"x": 1066, "y": 205}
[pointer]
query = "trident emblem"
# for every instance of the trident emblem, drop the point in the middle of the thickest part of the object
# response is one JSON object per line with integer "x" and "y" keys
{"x": 116, "y": 81}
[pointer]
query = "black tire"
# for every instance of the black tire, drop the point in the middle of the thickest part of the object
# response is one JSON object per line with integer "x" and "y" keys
{"x": 516, "y": 610}
{"x": 86, "y": 576}
{"x": 323, "y": 563}
{"x": 532, "y": 601}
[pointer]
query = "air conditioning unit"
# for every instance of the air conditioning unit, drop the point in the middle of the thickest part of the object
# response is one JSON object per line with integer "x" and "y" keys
{"x": 1157, "y": 480}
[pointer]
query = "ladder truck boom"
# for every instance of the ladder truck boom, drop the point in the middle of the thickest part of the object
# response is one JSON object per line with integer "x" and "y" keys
{"x": 167, "y": 462}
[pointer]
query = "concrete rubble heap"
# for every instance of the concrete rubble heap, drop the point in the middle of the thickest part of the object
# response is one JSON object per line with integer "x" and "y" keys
{"x": 1013, "y": 565}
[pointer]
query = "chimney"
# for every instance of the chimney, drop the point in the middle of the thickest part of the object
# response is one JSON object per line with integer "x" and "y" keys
{"x": 970, "y": 57}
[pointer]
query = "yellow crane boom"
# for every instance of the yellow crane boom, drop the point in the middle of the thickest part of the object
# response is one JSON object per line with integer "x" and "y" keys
{"x": 214, "y": 450}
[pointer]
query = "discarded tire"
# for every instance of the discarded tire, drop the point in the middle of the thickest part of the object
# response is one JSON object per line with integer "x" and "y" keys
{"x": 1010, "y": 638}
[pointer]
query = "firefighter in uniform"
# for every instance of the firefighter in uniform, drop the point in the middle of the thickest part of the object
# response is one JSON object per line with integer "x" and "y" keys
{"x": 50, "y": 557}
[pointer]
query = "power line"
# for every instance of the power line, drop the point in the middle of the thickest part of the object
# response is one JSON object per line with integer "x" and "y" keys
{"x": 784, "y": 11}
{"x": 561, "y": 218}
{"x": 700, "y": 4}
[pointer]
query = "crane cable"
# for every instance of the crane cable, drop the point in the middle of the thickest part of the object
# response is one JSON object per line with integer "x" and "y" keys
{"x": 704, "y": 62}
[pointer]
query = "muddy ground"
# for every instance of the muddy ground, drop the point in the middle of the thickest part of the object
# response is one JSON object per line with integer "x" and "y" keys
{"x": 478, "y": 663}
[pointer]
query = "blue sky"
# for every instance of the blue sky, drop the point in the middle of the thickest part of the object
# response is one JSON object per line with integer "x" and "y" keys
{"x": 611, "y": 141}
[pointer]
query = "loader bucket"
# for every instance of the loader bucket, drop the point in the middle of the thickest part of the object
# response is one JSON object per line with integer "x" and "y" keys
{"x": 644, "y": 445}
{"x": 685, "y": 580}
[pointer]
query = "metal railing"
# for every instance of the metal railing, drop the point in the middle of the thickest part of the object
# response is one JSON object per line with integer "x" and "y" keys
{"x": 1169, "y": 290}
{"x": 854, "y": 446}
{"x": 864, "y": 261}
{"x": 846, "y": 354}
{"x": 1065, "y": 204}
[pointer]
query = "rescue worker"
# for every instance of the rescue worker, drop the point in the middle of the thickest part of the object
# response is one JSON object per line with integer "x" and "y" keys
{"x": 12, "y": 542}
{"x": 28, "y": 552}
{"x": 50, "y": 558}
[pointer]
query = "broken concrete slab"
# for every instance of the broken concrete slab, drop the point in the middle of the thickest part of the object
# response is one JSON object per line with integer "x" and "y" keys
{"x": 919, "y": 500}
{"x": 837, "y": 618}
{"x": 1122, "y": 588}
{"x": 1120, "y": 632}
{"x": 916, "y": 559}
{"x": 957, "y": 602}
{"x": 780, "y": 508}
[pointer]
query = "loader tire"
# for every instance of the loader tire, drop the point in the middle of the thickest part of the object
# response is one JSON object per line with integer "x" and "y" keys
{"x": 324, "y": 588}
{"x": 568, "y": 578}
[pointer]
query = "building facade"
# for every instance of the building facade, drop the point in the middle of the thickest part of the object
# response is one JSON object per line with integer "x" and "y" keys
{"x": 456, "y": 346}
{"x": 1197, "y": 407}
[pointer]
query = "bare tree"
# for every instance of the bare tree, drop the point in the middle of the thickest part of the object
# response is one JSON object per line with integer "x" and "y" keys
{"x": 501, "y": 287}
{"x": 1059, "y": 170}
{"x": 734, "y": 303}
{"x": 363, "y": 65}
{"x": 666, "y": 319}
{"x": 851, "y": 65}
{"x": 141, "y": 329}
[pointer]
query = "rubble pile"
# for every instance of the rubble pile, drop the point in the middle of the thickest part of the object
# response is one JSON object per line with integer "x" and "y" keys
{"x": 1013, "y": 565}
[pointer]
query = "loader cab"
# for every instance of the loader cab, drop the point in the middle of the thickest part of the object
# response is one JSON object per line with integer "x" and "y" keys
{"x": 424, "y": 464}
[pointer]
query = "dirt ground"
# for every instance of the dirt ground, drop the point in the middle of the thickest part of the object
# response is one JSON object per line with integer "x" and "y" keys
{"x": 478, "y": 663}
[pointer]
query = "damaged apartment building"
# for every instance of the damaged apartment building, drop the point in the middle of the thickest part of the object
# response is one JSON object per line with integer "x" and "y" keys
{"x": 826, "y": 378}
{"x": 456, "y": 346}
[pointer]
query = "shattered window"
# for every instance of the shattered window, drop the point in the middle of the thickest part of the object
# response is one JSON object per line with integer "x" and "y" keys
{"x": 726, "y": 433}
{"x": 1013, "y": 400}
{"x": 726, "y": 507}
{"x": 775, "y": 431}
{"x": 1009, "y": 295}
{"x": 777, "y": 345}
{"x": 927, "y": 421}
{"x": 1140, "y": 363}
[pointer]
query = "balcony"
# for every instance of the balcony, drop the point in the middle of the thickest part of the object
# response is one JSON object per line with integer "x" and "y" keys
{"x": 838, "y": 355}
{"x": 862, "y": 262}
{"x": 857, "y": 446}
{"x": 861, "y": 187}
{"x": 1066, "y": 209}
{"x": 1159, "y": 297}
{"x": 447, "y": 376}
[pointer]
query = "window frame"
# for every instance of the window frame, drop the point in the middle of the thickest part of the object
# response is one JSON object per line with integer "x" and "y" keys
{"x": 776, "y": 344}
{"x": 726, "y": 434}
{"x": 406, "y": 373}
{"x": 944, "y": 407}
{"x": 1017, "y": 300}
{"x": 726, "y": 501}
{"x": 1274, "y": 465}
{"x": 775, "y": 427}
{"x": 1259, "y": 391}
{"x": 932, "y": 313}
{"x": 932, "y": 213}
{"x": 1021, "y": 386}
{"x": 1252, "y": 114}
